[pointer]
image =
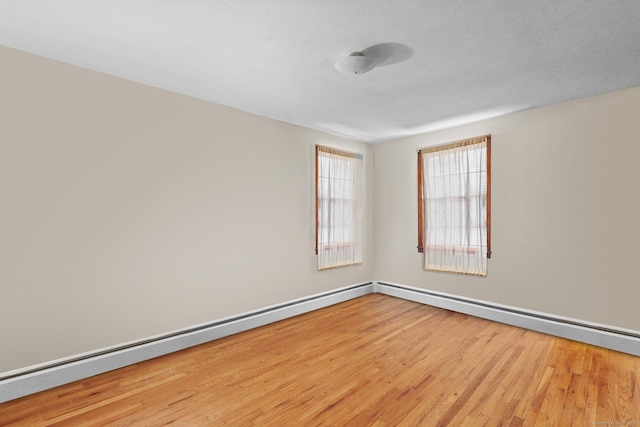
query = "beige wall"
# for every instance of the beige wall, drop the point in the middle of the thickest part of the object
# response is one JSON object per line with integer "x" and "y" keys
{"x": 129, "y": 211}
{"x": 566, "y": 203}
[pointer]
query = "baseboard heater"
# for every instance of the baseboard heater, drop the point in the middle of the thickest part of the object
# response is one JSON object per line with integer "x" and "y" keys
{"x": 22, "y": 382}
{"x": 626, "y": 341}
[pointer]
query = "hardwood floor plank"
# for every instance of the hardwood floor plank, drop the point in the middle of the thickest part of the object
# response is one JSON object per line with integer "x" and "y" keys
{"x": 371, "y": 361}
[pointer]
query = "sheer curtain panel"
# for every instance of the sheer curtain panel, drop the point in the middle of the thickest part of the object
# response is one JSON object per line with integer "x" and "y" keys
{"x": 338, "y": 208}
{"x": 456, "y": 197}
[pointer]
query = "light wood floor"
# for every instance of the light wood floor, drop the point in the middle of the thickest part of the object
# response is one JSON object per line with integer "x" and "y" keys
{"x": 372, "y": 361}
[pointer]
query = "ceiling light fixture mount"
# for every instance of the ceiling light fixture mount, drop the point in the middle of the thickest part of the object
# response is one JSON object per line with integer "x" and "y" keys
{"x": 355, "y": 63}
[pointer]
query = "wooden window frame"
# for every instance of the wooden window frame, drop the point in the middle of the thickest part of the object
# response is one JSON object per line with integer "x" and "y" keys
{"x": 317, "y": 198}
{"x": 462, "y": 142}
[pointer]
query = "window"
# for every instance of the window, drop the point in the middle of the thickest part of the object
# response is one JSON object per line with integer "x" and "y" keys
{"x": 338, "y": 207}
{"x": 454, "y": 206}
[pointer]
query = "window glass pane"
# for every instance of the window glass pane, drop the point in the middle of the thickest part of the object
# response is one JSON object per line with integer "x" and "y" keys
{"x": 338, "y": 207}
{"x": 454, "y": 188}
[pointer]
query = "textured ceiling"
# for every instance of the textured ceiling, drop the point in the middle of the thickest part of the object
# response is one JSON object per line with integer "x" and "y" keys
{"x": 442, "y": 62}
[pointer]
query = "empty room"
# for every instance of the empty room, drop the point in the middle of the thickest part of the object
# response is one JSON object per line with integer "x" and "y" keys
{"x": 284, "y": 213}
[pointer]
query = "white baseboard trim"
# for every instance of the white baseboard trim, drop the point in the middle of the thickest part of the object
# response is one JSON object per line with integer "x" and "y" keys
{"x": 29, "y": 380}
{"x": 624, "y": 340}
{"x": 19, "y": 383}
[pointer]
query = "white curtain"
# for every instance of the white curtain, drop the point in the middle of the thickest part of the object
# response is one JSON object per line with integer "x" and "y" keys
{"x": 455, "y": 207}
{"x": 339, "y": 208}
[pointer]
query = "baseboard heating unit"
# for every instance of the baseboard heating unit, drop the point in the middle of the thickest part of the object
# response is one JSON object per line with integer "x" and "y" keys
{"x": 626, "y": 341}
{"x": 29, "y": 380}
{"x": 22, "y": 382}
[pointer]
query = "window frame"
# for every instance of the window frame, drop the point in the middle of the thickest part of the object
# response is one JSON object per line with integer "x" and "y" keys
{"x": 338, "y": 245}
{"x": 421, "y": 201}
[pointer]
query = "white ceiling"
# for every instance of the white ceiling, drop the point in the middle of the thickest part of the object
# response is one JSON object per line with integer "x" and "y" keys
{"x": 447, "y": 61}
